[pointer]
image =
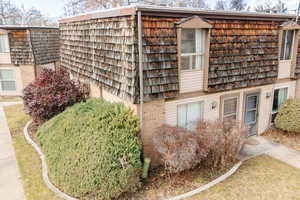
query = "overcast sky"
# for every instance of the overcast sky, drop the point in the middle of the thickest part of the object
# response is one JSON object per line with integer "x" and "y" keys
{"x": 54, "y": 8}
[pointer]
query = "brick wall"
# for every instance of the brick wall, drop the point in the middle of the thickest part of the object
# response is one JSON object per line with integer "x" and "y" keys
{"x": 154, "y": 117}
{"x": 27, "y": 74}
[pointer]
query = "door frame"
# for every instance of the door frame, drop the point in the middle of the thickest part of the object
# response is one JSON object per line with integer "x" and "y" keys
{"x": 258, "y": 92}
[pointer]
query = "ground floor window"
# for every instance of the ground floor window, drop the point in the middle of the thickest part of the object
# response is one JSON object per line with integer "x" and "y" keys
{"x": 189, "y": 114}
{"x": 7, "y": 80}
{"x": 230, "y": 108}
{"x": 280, "y": 95}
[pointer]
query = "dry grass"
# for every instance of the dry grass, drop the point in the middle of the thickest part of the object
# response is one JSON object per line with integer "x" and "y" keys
{"x": 261, "y": 178}
{"x": 291, "y": 140}
{"x": 10, "y": 99}
{"x": 28, "y": 160}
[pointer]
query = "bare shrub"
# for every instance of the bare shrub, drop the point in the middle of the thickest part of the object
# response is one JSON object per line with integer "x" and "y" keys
{"x": 178, "y": 148}
{"x": 224, "y": 139}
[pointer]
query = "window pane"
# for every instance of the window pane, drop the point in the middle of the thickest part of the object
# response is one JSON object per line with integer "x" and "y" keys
{"x": 7, "y": 74}
{"x": 289, "y": 44}
{"x": 4, "y": 47}
{"x": 283, "y": 41}
{"x": 189, "y": 114}
{"x": 194, "y": 111}
{"x": 188, "y": 62}
{"x": 231, "y": 117}
{"x": 8, "y": 85}
{"x": 251, "y": 102}
{"x": 188, "y": 41}
{"x": 199, "y": 62}
{"x": 181, "y": 115}
{"x": 280, "y": 95}
{"x": 251, "y": 116}
{"x": 230, "y": 106}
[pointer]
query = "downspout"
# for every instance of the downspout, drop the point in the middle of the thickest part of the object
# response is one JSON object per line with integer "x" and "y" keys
{"x": 33, "y": 54}
{"x": 141, "y": 74}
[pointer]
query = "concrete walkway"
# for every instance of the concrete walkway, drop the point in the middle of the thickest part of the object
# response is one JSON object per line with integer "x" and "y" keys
{"x": 258, "y": 145}
{"x": 10, "y": 181}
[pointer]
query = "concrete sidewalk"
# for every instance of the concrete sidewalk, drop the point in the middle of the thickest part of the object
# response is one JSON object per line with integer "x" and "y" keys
{"x": 10, "y": 181}
{"x": 258, "y": 145}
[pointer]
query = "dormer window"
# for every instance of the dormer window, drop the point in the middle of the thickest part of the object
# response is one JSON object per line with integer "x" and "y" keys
{"x": 193, "y": 53}
{"x": 192, "y": 48}
{"x": 287, "y": 44}
{"x": 4, "y": 45}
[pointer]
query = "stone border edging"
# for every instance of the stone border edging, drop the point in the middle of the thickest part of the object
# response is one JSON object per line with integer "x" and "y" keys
{"x": 209, "y": 185}
{"x": 67, "y": 197}
{"x": 44, "y": 166}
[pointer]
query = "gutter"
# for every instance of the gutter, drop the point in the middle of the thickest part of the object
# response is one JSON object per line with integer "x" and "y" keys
{"x": 141, "y": 74}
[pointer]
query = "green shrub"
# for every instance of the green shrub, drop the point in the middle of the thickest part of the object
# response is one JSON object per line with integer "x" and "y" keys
{"x": 288, "y": 117}
{"x": 93, "y": 150}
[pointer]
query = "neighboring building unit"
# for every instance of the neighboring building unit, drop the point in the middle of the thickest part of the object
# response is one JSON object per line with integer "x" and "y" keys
{"x": 24, "y": 51}
{"x": 195, "y": 64}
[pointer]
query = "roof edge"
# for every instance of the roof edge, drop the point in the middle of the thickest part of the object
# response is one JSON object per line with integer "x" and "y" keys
{"x": 21, "y": 27}
{"x": 160, "y": 10}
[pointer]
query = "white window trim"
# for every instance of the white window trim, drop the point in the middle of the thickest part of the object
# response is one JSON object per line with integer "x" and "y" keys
{"x": 15, "y": 80}
{"x": 276, "y": 88}
{"x": 189, "y": 102}
{"x": 8, "y": 45}
{"x": 237, "y": 107}
{"x": 292, "y": 45}
{"x": 197, "y": 48}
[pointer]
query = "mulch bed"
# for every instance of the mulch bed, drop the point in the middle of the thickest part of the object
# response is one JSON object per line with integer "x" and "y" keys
{"x": 161, "y": 185}
{"x": 291, "y": 140}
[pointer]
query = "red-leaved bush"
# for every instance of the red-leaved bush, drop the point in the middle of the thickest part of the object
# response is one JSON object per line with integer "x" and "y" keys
{"x": 224, "y": 139}
{"x": 178, "y": 148}
{"x": 51, "y": 93}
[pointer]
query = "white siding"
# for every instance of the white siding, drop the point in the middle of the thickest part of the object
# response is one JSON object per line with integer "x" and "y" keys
{"x": 265, "y": 104}
{"x": 284, "y": 69}
{"x": 191, "y": 81}
{"x": 5, "y": 58}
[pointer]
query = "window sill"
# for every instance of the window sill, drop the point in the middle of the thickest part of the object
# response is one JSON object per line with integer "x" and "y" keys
{"x": 191, "y": 70}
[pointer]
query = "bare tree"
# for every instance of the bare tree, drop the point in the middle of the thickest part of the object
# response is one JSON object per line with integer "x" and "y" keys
{"x": 269, "y": 7}
{"x": 237, "y": 5}
{"x": 220, "y": 5}
{"x": 9, "y": 13}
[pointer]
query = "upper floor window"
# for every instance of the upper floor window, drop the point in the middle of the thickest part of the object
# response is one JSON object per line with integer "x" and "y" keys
{"x": 287, "y": 44}
{"x": 7, "y": 80}
{"x": 4, "y": 45}
{"x": 192, "y": 48}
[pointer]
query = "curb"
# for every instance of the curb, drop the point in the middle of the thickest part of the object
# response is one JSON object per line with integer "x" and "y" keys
{"x": 67, "y": 197}
{"x": 209, "y": 185}
{"x": 44, "y": 166}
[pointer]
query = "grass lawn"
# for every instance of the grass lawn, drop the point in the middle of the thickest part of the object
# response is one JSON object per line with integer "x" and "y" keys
{"x": 28, "y": 160}
{"x": 10, "y": 99}
{"x": 261, "y": 178}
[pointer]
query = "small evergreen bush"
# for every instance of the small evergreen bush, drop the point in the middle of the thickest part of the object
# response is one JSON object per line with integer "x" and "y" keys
{"x": 93, "y": 150}
{"x": 288, "y": 117}
{"x": 50, "y": 94}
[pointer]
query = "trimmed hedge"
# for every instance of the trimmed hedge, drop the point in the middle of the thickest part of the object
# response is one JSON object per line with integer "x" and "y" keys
{"x": 93, "y": 150}
{"x": 288, "y": 117}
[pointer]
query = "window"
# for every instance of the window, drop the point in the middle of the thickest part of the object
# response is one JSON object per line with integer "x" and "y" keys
{"x": 7, "y": 80}
{"x": 189, "y": 114}
{"x": 192, "y": 48}
{"x": 280, "y": 95}
{"x": 4, "y": 46}
{"x": 287, "y": 44}
{"x": 230, "y": 108}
